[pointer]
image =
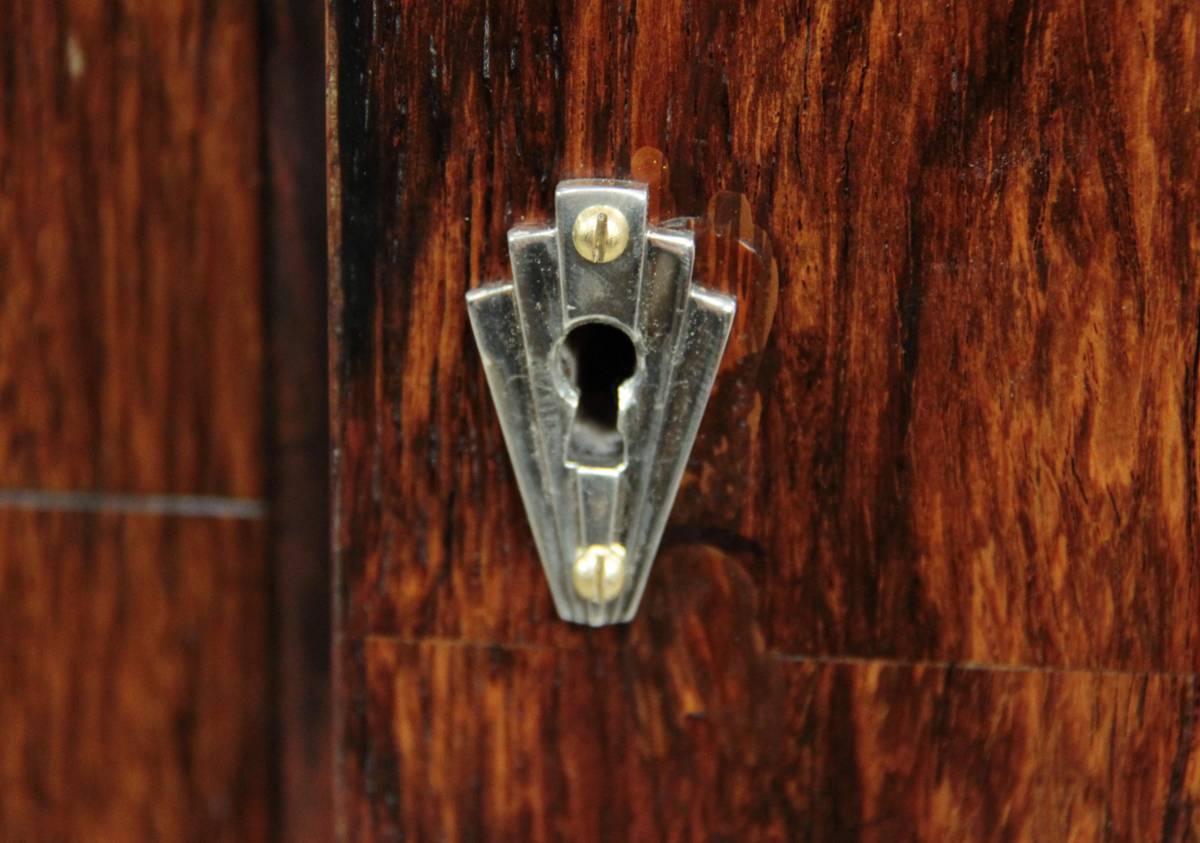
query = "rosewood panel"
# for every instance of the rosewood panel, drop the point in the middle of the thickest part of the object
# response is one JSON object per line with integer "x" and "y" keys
{"x": 298, "y": 415}
{"x": 934, "y": 572}
{"x": 133, "y": 691}
{"x": 130, "y": 247}
{"x": 684, "y": 726}
{"x": 971, "y": 419}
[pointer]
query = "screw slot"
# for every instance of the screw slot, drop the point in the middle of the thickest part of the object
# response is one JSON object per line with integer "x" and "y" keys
{"x": 601, "y": 233}
{"x": 599, "y": 572}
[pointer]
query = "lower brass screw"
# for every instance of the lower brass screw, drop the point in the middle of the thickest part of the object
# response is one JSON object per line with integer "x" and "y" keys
{"x": 599, "y": 573}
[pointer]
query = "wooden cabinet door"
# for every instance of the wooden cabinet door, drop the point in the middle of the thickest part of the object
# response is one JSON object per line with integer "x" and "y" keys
{"x": 934, "y": 570}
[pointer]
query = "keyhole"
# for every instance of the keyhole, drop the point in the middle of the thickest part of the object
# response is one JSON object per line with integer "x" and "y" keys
{"x": 598, "y": 359}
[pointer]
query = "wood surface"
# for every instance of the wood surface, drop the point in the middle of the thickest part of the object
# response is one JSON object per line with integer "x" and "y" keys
{"x": 298, "y": 415}
{"x": 137, "y": 695}
{"x": 934, "y": 573}
{"x": 130, "y": 246}
{"x": 685, "y": 726}
{"x": 134, "y": 678}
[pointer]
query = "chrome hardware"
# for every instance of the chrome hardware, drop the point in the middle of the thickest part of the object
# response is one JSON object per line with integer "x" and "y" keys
{"x": 600, "y": 356}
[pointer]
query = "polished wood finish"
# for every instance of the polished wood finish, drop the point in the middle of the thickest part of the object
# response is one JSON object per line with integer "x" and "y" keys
{"x": 298, "y": 415}
{"x": 978, "y": 393}
{"x": 686, "y": 726}
{"x": 136, "y": 693}
{"x": 517, "y": 746}
{"x": 134, "y": 677}
{"x": 130, "y": 247}
{"x": 961, "y": 427}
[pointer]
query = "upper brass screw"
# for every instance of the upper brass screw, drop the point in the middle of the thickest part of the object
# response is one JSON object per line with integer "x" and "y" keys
{"x": 601, "y": 233}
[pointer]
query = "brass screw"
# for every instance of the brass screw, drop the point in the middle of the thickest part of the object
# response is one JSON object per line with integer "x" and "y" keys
{"x": 599, "y": 573}
{"x": 601, "y": 233}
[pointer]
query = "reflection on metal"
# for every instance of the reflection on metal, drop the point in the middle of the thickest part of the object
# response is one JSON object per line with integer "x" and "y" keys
{"x": 600, "y": 356}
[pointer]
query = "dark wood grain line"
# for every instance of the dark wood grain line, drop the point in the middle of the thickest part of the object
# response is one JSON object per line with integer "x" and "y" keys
{"x": 298, "y": 415}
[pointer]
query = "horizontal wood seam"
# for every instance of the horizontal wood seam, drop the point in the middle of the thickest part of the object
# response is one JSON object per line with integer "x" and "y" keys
{"x": 205, "y": 506}
{"x": 984, "y": 667}
{"x": 797, "y": 658}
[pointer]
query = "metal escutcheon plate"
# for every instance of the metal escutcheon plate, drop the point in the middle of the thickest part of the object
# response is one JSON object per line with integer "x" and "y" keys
{"x": 600, "y": 356}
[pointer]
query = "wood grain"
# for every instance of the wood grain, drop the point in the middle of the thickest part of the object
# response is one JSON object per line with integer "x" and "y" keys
{"x": 136, "y": 691}
{"x": 867, "y": 752}
{"x": 298, "y": 416}
{"x": 962, "y": 426}
{"x": 687, "y": 733}
{"x": 979, "y": 389}
{"x": 133, "y": 691}
{"x": 131, "y": 312}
